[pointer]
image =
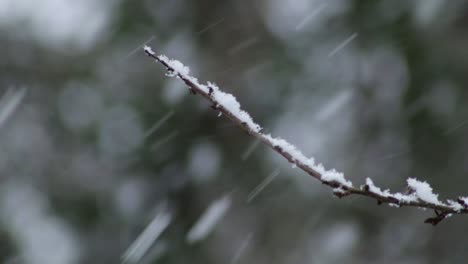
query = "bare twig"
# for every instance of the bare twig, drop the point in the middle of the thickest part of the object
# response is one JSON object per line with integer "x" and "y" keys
{"x": 419, "y": 193}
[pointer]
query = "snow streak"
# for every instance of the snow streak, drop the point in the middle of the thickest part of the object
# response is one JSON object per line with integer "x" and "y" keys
{"x": 209, "y": 219}
{"x": 143, "y": 243}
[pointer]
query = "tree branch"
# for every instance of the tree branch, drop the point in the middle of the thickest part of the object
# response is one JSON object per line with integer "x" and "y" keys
{"x": 419, "y": 193}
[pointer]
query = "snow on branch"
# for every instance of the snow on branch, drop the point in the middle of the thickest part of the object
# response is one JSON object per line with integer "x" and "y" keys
{"x": 419, "y": 194}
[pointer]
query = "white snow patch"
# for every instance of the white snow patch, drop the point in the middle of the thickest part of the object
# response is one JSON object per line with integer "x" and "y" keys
{"x": 326, "y": 175}
{"x": 375, "y": 189}
{"x": 423, "y": 191}
{"x": 230, "y": 103}
{"x": 335, "y": 176}
{"x": 464, "y": 200}
{"x": 339, "y": 190}
{"x": 209, "y": 219}
{"x": 405, "y": 198}
{"x": 289, "y": 148}
{"x": 177, "y": 66}
{"x": 149, "y": 50}
{"x": 386, "y": 193}
{"x": 455, "y": 205}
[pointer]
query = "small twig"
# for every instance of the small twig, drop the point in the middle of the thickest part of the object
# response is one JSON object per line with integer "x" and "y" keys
{"x": 419, "y": 193}
{"x": 438, "y": 218}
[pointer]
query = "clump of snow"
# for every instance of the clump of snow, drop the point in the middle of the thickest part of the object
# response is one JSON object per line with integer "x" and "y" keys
{"x": 460, "y": 204}
{"x": 455, "y": 205}
{"x": 375, "y": 189}
{"x": 423, "y": 191}
{"x": 335, "y": 176}
{"x": 289, "y": 148}
{"x": 149, "y": 50}
{"x": 209, "y": 219}
{"x": 464, "y": 200}
{"x": 230, "y": 103}
{"x": 339, "y": 191}
{"x": 404, "y": 198}
{"x": 326, "y": 175}
{"x": 177, "y": 66}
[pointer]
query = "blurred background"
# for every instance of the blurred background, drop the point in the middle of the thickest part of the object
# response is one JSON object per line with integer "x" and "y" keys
{"x": 105, "y": 160}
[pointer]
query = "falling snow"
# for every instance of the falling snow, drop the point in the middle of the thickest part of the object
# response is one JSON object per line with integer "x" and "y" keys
{"x": 309, "y": 17}
{"x": 250, "y": 150}
{"x": 93, "y": 136}
{"x": 256, "y": 191}
{"x": 147, "y": 238}
{"x": 342, "y": 45}
{"x": 159, "y": 123}
{"x": 9, "y": 103}
{"x": 209, "y": 219}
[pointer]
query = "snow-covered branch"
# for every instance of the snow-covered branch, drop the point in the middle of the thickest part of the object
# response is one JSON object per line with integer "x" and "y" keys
{"x": 419, "y": 194}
